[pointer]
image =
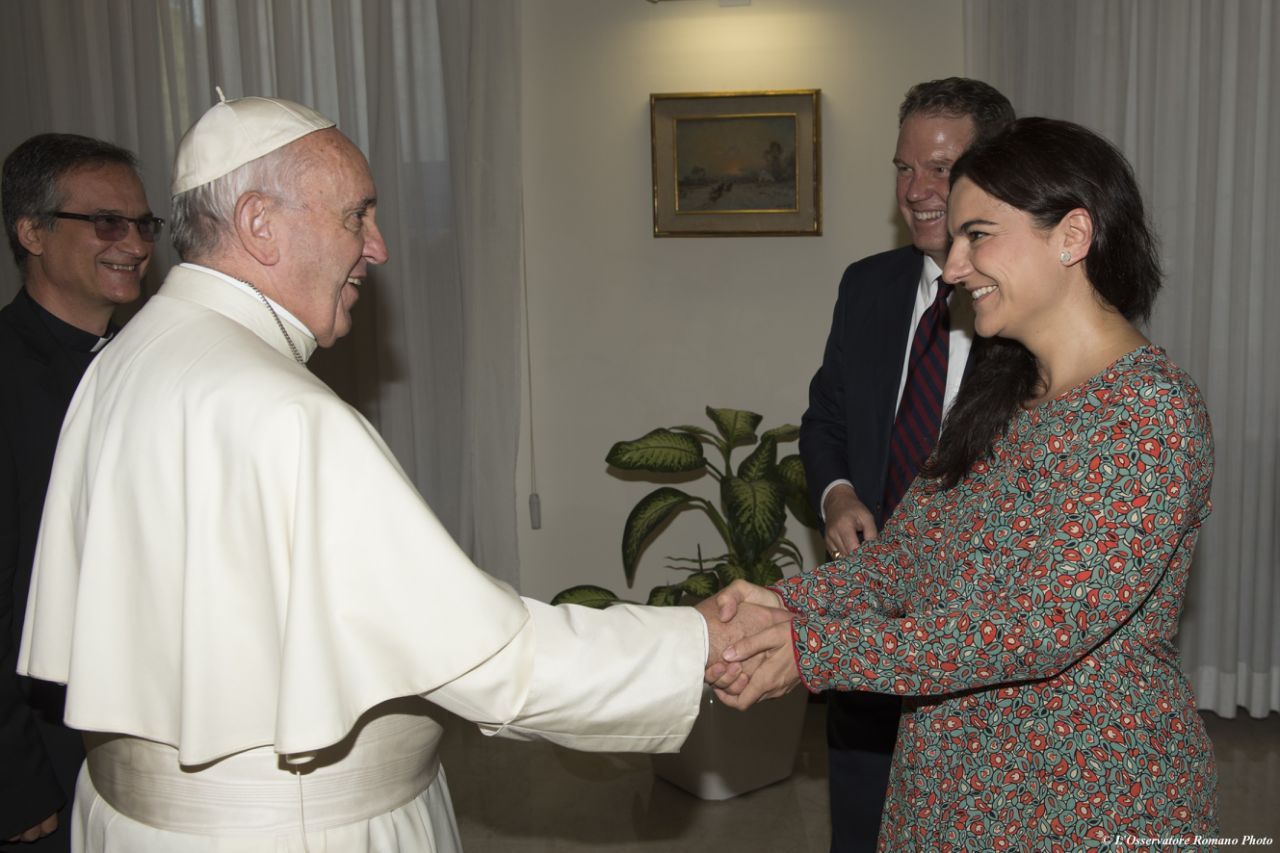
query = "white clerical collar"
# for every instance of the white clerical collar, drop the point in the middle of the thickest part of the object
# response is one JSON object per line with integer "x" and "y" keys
{"x": 235, "y": 282}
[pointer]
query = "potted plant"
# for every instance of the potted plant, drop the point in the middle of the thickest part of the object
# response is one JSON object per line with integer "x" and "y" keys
{"x": 750, "y": 515}
{"x": 727, "y": 753}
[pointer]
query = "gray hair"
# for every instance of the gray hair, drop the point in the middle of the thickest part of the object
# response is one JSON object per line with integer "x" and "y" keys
{"x": 203, "y": 215}
{"x": 960, "y": 97}
{"x": 31, "y": 183}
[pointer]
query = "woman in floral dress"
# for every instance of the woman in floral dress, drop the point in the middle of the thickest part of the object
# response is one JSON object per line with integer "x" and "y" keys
{"x": 1025, "y": 596}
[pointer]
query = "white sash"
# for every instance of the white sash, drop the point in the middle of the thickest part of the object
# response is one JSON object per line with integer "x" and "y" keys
{"x": 386, "y": 762}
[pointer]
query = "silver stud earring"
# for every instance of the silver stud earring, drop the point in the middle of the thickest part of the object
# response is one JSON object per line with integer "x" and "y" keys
{"x": 1065, "y": 257}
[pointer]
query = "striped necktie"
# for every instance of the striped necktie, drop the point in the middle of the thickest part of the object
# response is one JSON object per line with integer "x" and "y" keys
{"x": 915, "y": 429}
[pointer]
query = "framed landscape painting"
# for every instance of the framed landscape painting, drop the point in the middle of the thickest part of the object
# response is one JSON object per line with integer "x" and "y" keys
{"x": 731, "y": 164}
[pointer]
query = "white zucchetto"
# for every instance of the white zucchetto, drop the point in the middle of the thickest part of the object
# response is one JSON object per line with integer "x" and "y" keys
{"x": 235, "y": 132}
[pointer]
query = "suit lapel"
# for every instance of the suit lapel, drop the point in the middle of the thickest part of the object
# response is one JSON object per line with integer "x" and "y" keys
{"x": 893, "y": 313}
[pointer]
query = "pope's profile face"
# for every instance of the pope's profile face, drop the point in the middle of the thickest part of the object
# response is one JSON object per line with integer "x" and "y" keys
{"x": 332, "y": 235}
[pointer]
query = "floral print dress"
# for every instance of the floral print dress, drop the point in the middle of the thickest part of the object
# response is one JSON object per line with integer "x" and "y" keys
{"x": 1027, "y": 617}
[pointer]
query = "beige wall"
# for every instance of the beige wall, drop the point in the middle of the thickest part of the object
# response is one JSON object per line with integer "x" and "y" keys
{"x": 629, "y": 332}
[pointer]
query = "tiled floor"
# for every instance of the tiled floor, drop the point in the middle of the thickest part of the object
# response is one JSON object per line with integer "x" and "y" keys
{"x": 1248, "y": 754}
{"x": 526, "y": 797}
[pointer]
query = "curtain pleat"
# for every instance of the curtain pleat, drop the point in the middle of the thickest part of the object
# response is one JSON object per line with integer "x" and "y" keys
{"x": 429, "y": 90}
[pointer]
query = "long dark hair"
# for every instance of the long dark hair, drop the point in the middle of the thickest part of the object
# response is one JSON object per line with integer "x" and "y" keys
{"x": 1047, "y": 168}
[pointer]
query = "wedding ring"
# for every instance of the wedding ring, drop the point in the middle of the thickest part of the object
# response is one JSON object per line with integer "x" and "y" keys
{"x": 836, "y": 554}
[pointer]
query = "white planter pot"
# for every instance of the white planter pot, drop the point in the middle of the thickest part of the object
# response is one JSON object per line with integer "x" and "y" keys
{"x": 731, "y": 752}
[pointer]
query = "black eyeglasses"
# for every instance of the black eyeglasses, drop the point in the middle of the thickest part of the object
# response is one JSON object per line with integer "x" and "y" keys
{"x": 113, "y": 227}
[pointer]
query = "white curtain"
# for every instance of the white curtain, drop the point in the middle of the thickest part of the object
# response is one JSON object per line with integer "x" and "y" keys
{"x": 1190, "y": 91}
{"x": 429, "y": 89}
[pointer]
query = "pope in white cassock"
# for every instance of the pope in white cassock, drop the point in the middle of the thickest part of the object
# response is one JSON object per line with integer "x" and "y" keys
{"x": 243, "y": 592}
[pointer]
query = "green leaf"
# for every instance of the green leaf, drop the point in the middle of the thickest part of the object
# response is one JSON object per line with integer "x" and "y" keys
{"x": 661, "y": 451}
{"x": 663, "y": 596}
{"x": 736, "y": 426}
{"x": 695, "y": 562}
{"x": 652, "y": 512}
{"x": 791, "y": 473}
{"x": 760, "y": 464}
{"x": 693, "y": 430}
{"x": 764, "y": 572}
{"x": 728, "y": 572}
{"x": 798, "y": 503}
{"x": 586, "y": 595}
{"x": 786, "y": 432}
{"x": 791, "y": 552}
{"x": 755, "y": 512}
{"x": 701, "y": 584}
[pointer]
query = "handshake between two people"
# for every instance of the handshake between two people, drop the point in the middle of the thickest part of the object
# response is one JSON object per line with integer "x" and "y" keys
{"x": 751, "y": 653}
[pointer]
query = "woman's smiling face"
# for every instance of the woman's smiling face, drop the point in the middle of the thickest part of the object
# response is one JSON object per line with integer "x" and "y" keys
{"x": 1006, "y": 262}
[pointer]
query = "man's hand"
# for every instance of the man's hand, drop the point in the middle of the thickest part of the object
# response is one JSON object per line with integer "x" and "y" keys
{"x": 769, "y": 669}
{"x": 746, "y": 620}
{"x": 40, "y": 830}
{"x": 847, "y": 517}
{"x": 739, "y": 592}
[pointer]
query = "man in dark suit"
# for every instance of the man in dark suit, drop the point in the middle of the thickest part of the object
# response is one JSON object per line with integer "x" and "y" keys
{"x": 845, "y": 435}
{"x": 81, "y": 232}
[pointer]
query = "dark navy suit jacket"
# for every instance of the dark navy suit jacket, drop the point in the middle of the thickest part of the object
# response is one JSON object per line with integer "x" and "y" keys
{"x": 844, "y": 434}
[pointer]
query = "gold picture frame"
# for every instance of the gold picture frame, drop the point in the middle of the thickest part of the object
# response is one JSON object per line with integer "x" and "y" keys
{"x": 736, "y": 164}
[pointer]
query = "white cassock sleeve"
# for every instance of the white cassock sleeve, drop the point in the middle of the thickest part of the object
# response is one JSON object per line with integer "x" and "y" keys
{"x": 598, "y": 680}
{"x": 231, "y": 557}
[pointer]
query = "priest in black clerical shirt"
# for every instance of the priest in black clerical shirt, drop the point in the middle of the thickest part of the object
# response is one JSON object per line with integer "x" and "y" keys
{"x": 81, "y": 232}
